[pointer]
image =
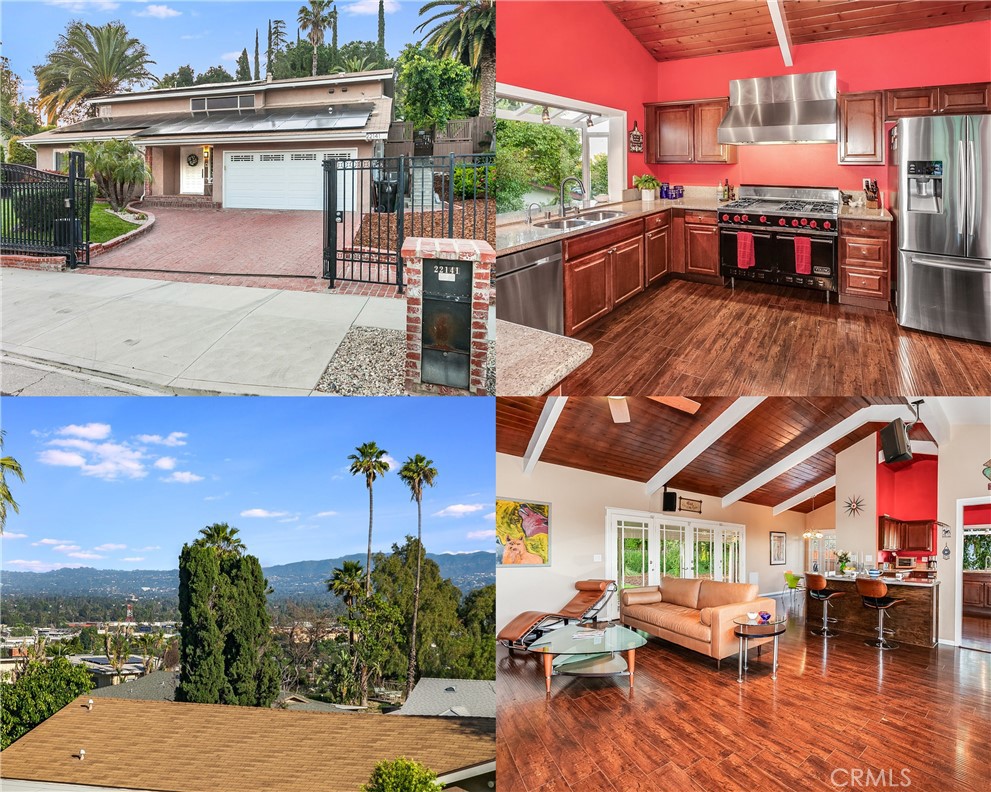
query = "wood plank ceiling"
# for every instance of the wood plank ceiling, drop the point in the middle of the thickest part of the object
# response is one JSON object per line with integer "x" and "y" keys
{"x": 675, "y": 29}
{"x": 586, "y": 438}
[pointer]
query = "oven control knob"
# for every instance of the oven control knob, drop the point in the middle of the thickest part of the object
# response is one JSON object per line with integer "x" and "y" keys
{"x": 804, "y": 221}
{"x": 813, "y": 224}
{"x": 794, "y": 223}
{"x": 827, "y": 225}
{"x": 782, "y": 221}
{"x": 745, "y": 219}
{"x": 736, "y": 218}
{"x": 725, "y": 218}
{"x": 763, "y": 218}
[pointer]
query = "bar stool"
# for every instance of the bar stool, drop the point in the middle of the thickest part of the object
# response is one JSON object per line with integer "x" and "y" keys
{"x": 874, "y": 594}
{"x": 816, "y": 584}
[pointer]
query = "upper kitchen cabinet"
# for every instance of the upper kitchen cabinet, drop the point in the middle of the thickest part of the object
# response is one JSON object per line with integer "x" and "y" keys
{"x": 861, "y": 134}
{"x": 946, "y": 99}
{"x": 686, "y": 132}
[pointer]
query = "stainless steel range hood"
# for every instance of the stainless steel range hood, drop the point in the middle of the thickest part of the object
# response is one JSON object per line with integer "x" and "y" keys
{"x": 795, "y": 108}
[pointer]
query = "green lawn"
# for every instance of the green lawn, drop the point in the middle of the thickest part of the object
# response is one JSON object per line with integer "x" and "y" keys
{"x": 103, "y": 226}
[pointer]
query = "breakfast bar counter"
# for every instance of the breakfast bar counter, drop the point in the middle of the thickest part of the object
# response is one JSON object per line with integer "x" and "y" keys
{"x": 915, "y": 621}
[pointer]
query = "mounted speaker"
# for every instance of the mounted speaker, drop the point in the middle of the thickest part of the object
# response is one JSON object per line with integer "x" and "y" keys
{"x": 669, "y": 502}
{"x": 894, "y": 442}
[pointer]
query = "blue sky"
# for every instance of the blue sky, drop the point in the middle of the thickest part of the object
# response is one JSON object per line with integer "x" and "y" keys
{"x": 122, "y": 483}
{"x": 177, "y": 32}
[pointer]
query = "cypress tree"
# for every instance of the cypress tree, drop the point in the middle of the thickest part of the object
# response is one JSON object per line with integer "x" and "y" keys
{"x": 268, "y": 51}
{"x": 258, "y": 74}
{"x": 243, "y": 67}
{"x": 381, "y": 42}
{"x": 250, "y": 680}
{"x": 202, "y": 676}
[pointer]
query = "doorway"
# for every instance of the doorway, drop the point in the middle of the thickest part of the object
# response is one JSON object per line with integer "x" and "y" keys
{"x": 191, "y": 169}
{"x": 975, "y": 571}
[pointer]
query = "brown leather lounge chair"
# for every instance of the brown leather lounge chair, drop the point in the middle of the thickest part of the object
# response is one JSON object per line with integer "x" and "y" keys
{"x": 585, "y": 606}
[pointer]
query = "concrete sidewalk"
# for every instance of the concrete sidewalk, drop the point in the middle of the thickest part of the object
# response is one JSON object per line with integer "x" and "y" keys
{"x": 182, "y": 337}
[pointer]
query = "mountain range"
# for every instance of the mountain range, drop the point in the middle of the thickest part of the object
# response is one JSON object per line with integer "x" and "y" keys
{"x": 300, "y": 580}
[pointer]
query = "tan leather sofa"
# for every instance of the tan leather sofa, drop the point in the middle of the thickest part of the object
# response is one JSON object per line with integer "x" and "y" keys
{"x": 697, "y": 614}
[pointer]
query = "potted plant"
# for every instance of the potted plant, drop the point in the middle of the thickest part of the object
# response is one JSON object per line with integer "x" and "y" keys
{"x": 647, "y": 184}
{"x": 842, "y": 559}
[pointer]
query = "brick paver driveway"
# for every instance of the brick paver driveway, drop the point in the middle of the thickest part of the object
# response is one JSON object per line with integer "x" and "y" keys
{"x": 233, "y": 247}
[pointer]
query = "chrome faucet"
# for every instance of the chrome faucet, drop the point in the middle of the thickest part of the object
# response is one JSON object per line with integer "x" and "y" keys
{"x": 529, "y": 217}
{"x": 581, "y": 189}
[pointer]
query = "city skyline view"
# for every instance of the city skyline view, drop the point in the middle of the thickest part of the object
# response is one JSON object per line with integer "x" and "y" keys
{"x": 124, "y": 483}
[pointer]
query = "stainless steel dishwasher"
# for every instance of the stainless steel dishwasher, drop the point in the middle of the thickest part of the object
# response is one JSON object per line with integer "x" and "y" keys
{"x": 530, "y": 288}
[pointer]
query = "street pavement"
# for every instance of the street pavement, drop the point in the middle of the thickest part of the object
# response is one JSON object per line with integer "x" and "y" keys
{"x": 179, "y": 337}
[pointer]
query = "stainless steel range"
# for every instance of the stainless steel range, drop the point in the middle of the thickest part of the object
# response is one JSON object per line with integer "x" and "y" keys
{"x": 781, "y": 235}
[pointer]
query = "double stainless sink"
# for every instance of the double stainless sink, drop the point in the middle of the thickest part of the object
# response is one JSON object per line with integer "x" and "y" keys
{"x": 582, "y": 220}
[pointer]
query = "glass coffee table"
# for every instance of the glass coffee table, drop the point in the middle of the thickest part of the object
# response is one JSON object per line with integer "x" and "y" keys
{"x": 589, "y": 651}
{"x": 755, "y": 628}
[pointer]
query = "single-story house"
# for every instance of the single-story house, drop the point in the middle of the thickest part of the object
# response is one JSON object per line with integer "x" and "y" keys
{"x": 457, "y": 698}
{"x": 103, "y": 674}
{"x": 256, "y": 144}
{"x": 153, "y": 745}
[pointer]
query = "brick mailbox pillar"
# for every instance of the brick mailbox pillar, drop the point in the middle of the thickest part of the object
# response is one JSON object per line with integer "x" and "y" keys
{"x": 448, "y": 290}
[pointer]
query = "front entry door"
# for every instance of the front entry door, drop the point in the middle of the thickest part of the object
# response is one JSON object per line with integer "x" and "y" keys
{"x": 191, "y": 168}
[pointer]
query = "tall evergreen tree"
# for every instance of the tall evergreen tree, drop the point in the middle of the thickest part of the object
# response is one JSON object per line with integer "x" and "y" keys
{"x": 258, "y": 74}
{"x": 381, "y": 42}
{"x": 201, "y": 678}
{"x": 243, "y": 73}
{"x": 250, "y": 674}
{"x": 268, "y": 51}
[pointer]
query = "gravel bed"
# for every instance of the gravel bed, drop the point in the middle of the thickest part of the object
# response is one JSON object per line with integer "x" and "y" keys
{"x": 369, "y": 362}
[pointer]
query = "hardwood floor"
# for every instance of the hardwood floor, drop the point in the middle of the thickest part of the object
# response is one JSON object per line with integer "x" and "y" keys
{"x": 706, "y": 340}
{"x": 837, "y": 706}
{"x": 976, "y": 633}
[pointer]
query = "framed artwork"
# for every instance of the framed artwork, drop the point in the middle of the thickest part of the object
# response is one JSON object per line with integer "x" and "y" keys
{"x": 689, "y": 505}
{"x": 523, "y": 532}
{"x": 779, "y": 541}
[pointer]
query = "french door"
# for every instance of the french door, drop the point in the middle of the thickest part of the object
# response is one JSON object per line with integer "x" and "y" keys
{"x": 641, "y": 548}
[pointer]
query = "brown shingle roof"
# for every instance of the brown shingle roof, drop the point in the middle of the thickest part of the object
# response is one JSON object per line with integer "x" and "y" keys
{"x": 194, "y": 747}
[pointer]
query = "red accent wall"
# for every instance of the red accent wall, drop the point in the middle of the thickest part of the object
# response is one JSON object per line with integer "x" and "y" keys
{"x": 590, "y": 56}
{"x": 978, "y": 514}
{"x": 907, "y": 491}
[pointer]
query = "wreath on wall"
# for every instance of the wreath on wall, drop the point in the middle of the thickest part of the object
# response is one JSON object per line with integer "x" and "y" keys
{"x": 193, "y": 160}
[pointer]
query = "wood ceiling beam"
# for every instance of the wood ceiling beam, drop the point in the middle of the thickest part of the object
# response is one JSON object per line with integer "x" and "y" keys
{"x": 726, "y": 420}
{"x": 777, "y": 11}
{"x": 804, "y": 495}
{"x": 542, "y": 431}
{"x": 877, "y": 413}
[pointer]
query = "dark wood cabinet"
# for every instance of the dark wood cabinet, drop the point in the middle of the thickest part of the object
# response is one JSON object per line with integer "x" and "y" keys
{"x": 930, "y": 100}
{"x": 626, "y": 263}
{"x": 586, "y": 291}
{"x": 686, "y": 132}
{"x": 657, "y": 254}
{"x": 865, "y": 263}
{"x": 861, "y": 132}
{"x": 701, "y": 243}
{"x": 976, "y": 593}
{"x": 910, "y": 536}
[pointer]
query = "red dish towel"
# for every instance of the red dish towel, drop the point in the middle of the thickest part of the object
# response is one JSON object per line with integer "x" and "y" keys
{"x": 803, "y": 255}
{"x": 744, "y": 250}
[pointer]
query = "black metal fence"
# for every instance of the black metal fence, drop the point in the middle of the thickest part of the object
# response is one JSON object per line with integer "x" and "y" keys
{"x": 46, "y": 213}
{"x": 372, "y": 205}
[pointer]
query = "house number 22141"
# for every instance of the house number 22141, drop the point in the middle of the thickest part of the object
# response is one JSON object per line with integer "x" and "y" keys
{"x": 446, "y": 272}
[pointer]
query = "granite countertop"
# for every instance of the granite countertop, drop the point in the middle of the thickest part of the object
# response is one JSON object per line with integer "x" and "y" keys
{"x": 886, "y": 580}
{"x": 532, "y": 362}
{"x": 513, "y": 237}
{"x": 863, "y": 213}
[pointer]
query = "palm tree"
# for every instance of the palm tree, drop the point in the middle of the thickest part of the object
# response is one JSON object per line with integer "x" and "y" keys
{"x": 90, "y": 61}
{"x": 465, "y": 31}
{"x": 416, "y": 472}
{"x": 118, "y": 646}
{"x": 353, "y": 64}
{"x": 223, "y": 537}
{"x": 346, "y": 583}
{"x": 7, "y": 465}
{"x": 369, "y": 462}
{"x": 151, "y": 646}
{"x": 316, "y": 18}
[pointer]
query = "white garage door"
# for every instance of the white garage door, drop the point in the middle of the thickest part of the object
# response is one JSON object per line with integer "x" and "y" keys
{"x": 279, "y": 179}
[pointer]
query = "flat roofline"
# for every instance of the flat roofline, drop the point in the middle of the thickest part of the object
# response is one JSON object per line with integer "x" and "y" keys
{"x": 380, "y": 75}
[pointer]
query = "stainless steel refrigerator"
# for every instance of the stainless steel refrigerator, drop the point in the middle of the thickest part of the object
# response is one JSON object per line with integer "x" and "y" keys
{"x": 944, "y": 225}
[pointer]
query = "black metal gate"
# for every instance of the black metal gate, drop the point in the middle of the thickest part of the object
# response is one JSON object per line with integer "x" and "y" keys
{"x": 46, "y": 213}
{"x": 371, "y": 205}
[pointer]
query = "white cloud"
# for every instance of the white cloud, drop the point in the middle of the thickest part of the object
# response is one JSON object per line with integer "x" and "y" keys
{"x": 182, "y": 477}
{"x": 133, "y": 559}
{"x": 173, "y": 439}
{"x": 66, "y": 548}
{"x": 12, "y": 535}
{"x": 106, "y": 548}
{"x": 79, "y": 6}
{"x": 38, "y": 566}
{"x": 263, "y": 513}
{"x": 85, "y": 554}
{"x": 102, "y": 460}
{"x": 216, "y": 497}
{"x": 370, "y": 7}
{"x": 459, "y": 509}
{"x": 290, "y": 519}
{"x": 61, "y": 458}
{"x": 391, "y": 460}
{"x": 50, "y": 542}
{"x": 149, "y": 548}
{"x": 165, "y": 463}
{"x": 192, "y": 36}
{"x": 232, "y": 56}
{"x": 490, "y": 516}
{"x": 326, "y": 514}
{"x": 158, "y": 12}
{"x": 90, "y": 431}
{"x": 482, "y": 534}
